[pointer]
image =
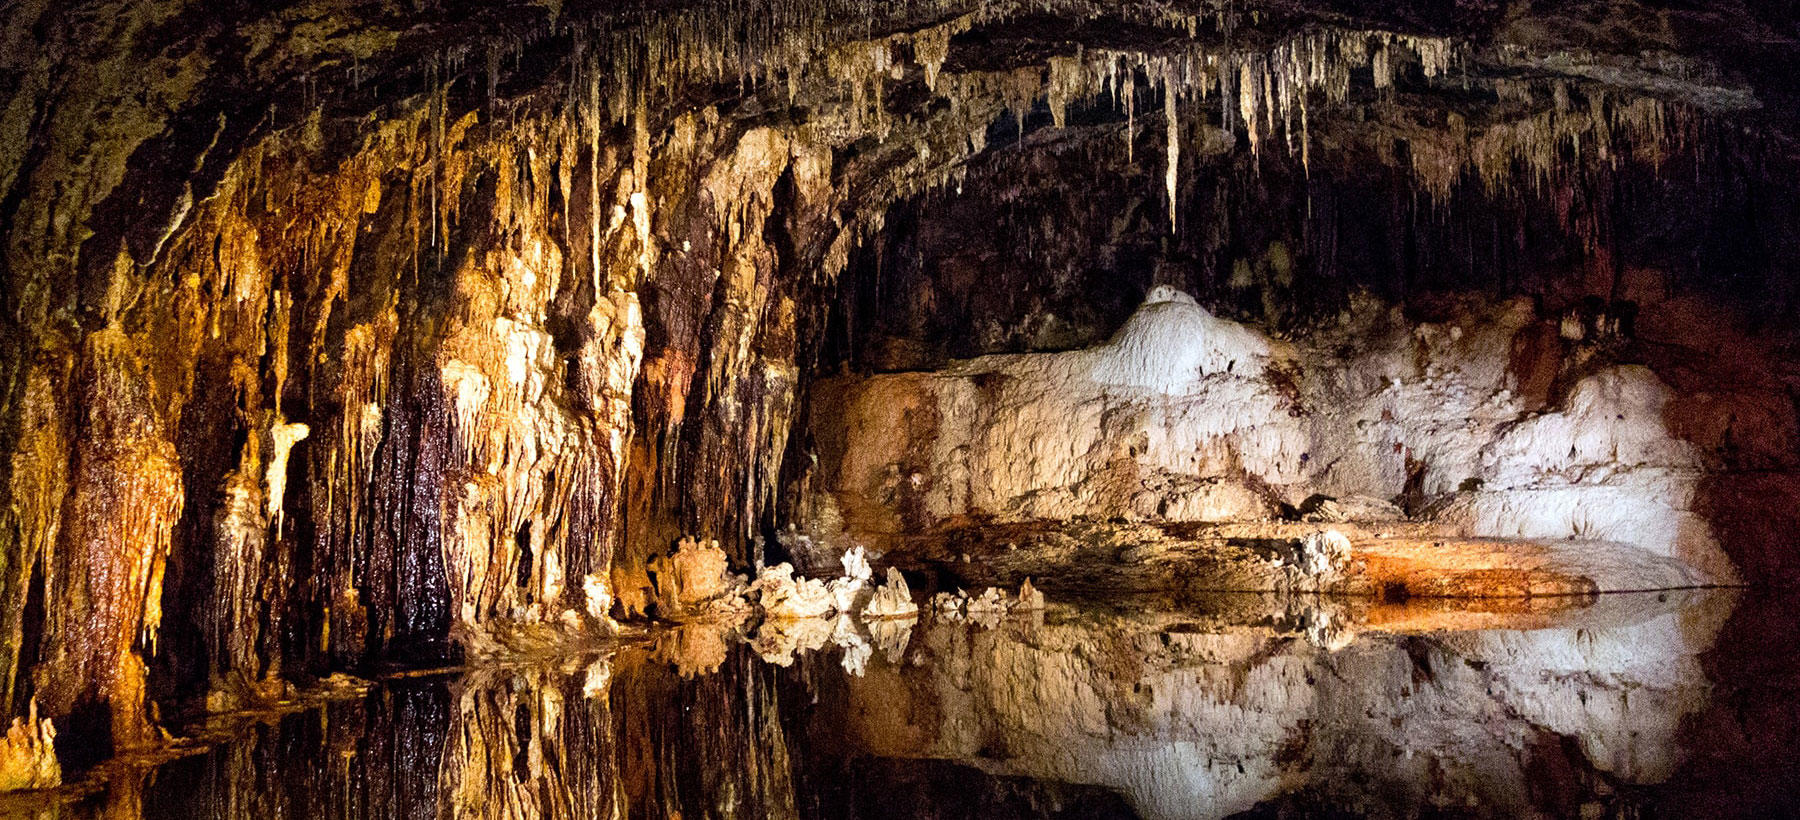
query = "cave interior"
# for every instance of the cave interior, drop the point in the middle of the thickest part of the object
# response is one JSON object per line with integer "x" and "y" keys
{"x": 1186, "y": 408}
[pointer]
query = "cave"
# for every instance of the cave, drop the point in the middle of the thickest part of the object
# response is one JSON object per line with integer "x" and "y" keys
{"x": 924, "y": 408}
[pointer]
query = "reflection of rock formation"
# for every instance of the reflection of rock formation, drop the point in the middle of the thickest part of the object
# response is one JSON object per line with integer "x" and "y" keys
{"x": 521, "y": 747}
{"x": 1228, "y": 704}
{"x": 1190, "y": 721}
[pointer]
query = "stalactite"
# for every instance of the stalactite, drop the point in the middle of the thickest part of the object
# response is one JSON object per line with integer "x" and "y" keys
{"x": 1172, "y": 173}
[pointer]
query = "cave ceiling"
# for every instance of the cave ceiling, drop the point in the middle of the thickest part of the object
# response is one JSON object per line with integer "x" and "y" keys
{"x": 186, "y": 86}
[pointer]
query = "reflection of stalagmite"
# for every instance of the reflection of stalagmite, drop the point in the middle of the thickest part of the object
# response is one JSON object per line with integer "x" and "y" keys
{"x": 517, "y": 748}
{"x": 597, "y": 678}
{"x": 780, "y": 641}
{"x": 891, "y": 637}
{"x": 856, "y": 650}
{"x": 696, "y": 648}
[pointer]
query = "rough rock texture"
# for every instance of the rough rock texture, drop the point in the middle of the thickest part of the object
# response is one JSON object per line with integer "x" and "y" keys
{"x": 695, "y": 581}
{"x": 1184, "y": 417}
{"x": 513, "y": 301}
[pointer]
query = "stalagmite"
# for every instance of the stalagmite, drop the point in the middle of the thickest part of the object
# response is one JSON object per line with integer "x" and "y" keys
{"x": 695, "y": 582}
{"x": 1030, "y": 599}
{"x": 1323, "y": 554}
{"x": 27, "y": 754}
{"x": 891, "y": 600}
{"x": 784, "y": 597}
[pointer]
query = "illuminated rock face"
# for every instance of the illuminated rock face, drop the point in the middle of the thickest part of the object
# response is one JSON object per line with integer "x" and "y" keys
{"x": 332, "y": 337}
{"x": 1183, "y": 417}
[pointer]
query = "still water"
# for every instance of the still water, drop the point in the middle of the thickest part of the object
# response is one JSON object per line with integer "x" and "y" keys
{"x": 1640, "y": 705}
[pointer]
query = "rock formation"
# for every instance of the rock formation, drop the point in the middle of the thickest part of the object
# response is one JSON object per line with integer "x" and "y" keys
{"x": 892, "y": 600}
{"x": 1234, "y": 428}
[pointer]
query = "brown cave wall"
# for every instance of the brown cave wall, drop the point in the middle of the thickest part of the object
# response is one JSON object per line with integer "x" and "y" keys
{"x": 419, "y": 356}
{"x": 442, "y": 292}
{"x": 460, "y": 324}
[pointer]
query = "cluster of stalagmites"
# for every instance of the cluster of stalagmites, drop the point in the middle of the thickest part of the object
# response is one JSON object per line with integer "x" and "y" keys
{"x": 989, "y": 606}
{"x": 695, "y": 586}
{"x": 695, "y": 582}
{"x": 28, "y": 756}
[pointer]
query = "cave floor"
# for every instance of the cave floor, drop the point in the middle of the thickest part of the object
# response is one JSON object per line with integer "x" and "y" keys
{"x": 1108, "y": 704}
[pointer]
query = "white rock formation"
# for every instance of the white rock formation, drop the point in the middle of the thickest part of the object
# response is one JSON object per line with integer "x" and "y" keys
{"x": 1324, "y": 554}
{"x": 1172, "y": 342}
{"x": 856, "y": 565}
{"x": 991, "y": 600}
{"x": 784, "y": 597}
{"x": 1187, "y": 417}
{"x": 1603, "y": 468}
{"x": 891, "y": 600}
{"x": 850, "y": 593}
{"x": 847, "y": 594}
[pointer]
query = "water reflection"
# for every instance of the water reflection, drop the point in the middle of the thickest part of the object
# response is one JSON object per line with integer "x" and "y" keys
{"x": 1633, "y": 705}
